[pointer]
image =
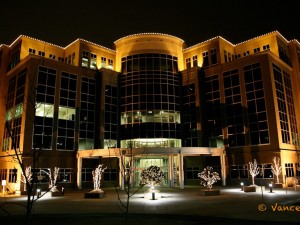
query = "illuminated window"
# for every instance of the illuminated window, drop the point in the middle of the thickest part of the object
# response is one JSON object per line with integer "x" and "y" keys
{"x": 85, "y": 59}
{"x": 103, "y": 62}
{"x": 110, "y": 64}
{"x": 93, "y": 62}
{"x": 44, "y": 110}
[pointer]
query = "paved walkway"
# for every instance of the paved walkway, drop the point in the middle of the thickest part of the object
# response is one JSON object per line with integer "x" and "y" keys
{"x": 175, "y": 206}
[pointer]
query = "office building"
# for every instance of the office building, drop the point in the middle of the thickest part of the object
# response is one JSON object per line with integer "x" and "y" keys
{"x": 150, "y": 100}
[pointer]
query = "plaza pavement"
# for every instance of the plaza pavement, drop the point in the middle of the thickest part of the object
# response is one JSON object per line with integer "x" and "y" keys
{"x": 175, "y": 207}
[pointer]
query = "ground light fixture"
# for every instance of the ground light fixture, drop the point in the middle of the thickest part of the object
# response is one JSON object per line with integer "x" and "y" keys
{"x": 38, "y": 193}
{"x": 153, "y": 192}
{"x": 3, "y": 186}
{"x": 271, "y": 187}
{"x": 242, "y": 186}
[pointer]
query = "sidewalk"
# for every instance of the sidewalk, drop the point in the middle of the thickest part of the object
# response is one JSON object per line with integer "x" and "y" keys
{"x": 174, "y": 207}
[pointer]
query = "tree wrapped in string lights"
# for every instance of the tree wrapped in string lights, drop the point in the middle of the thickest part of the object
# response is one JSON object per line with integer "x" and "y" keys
{"x": 53, "y": 175}
{"x": 209, "y": 177}
{"x": 97, "y": 176}
{"x": 254, "y": 170}
{"x": 152, "y": 176}
{"x": 276, "y": 169}
{"x": 27, "y": 176}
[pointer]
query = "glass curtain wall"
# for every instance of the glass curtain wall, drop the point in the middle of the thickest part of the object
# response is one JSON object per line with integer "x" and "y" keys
{"x": 150, "y": 109}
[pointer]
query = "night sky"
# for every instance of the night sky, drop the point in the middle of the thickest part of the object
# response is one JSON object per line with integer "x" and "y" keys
{"x": 103, "y": 22}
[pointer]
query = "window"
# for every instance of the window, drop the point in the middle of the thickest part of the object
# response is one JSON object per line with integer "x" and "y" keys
{"x": 237, "y": 56}
{"x": 289, "y": 169}
{"x": 93, "y": 62}
{"x": 188, "y": 63}
{"x": 86, "y": 174}
{"x": 51, "y": 56}
{"x": 41, "y": 53}
{"x": 13, "y": 176}
{"x": 65, "y": 175}
{"x": 257, "y": 50}
{"x": 257, "y": 114}
{"x": 69, "y": 59}
{"x": 3, "y": 174}
{"x": 103, "y": 62}
{"x": 110, "y": 174}
{"x": 266, "y": 47}
{"x": 73, "y": 59}
{"x": 213, "y": 56}
{"x": 85, "y": 59}
{"x": 266, "y": 171}
{"x": 205, "y": 59}
{"x": 195, "y": 60}
{"x": 192, "y": 172}
{"x": 298, "y": 169}
{"x": 31, "y": 51}
{"x": 110, "y": 64}
{"x": 246, "y": 53}
{"x": 239, "y": 171}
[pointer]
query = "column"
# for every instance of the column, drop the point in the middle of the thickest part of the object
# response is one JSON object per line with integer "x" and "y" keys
{"x": 181, "y": 172}
{"x": 223, "y": 169}
{"x": 79, "y": 169}
{"x": 121, "y": 175}
{"x": 171, "y": 171}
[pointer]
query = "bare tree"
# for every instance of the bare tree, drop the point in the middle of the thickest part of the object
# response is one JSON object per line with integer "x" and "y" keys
{"x": 254, "y": 170}
{"x": 30, "y": 156}
{"x": 276, "y": 169}
{"x": 127, "y": 170}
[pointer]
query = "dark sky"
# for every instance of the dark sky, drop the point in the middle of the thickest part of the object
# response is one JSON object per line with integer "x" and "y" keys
{"x": 103, "y": 22}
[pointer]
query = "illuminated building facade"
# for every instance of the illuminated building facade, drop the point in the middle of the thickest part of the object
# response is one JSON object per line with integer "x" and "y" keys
{"x": 154, "y": 100}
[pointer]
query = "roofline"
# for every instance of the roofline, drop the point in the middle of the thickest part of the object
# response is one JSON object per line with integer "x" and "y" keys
{"x": 151, "y": 33}
{"x": 89, "y": 42}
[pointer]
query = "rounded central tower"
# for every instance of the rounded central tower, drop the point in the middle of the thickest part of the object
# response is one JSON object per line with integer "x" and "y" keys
{"x": 150, "y": 90}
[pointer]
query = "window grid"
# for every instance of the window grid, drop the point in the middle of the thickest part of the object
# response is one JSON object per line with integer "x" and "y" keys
{"x": 234, "y": 112}
{"x": 291, "y": 108}
{"x": 256, "y": 108}
{"x": 87, "y": 114}
{"x": 212, "y": 92}
{"x": 67, "y": 98}
{"x": 45, "y": 94}
{"x": 281, "y": 102}
{"x": 150, "y": 83}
